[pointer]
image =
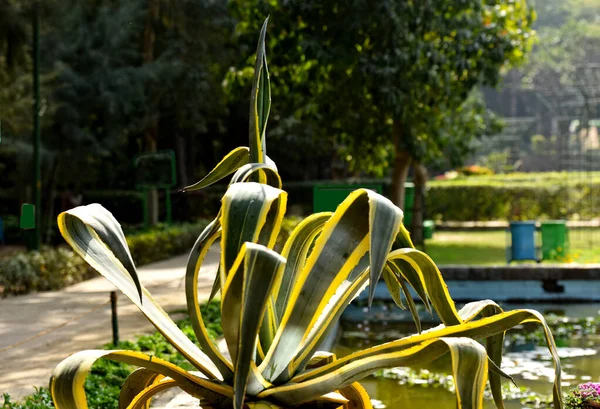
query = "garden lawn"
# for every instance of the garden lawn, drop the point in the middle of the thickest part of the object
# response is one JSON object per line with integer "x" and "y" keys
{"x": 489, "y": 247}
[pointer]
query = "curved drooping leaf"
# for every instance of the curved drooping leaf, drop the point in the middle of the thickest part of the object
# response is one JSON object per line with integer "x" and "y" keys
{"x": 355, "y": 228}
{"x": 405, "y": 270}
{"x": 210, "y": 234}
{"x": 411, "y": 305}
{"x": 269, "y": 172}
{"x": 244, "y": 302}
{"x": 260, "y": 101}
{"x": 229, "y": 164}
{"x": 403, "y": 239}
{"x": 331, "y": 400}
{"x": 357, "y": 396}
{"x": 482, "y": 328}
{"x": 77, "y": 226}
{"x": 135, "y": 383}
{"x": 321, "y": 358}
{"x": 68, "y": 378}
{"x": 93, "y": 229}
{"x": 493, "y": 344}
{"x": 385, "y": 220}
{"x": 392, "y": 282}
{"x": 469, "y": 369}
{"x": 430, "y": 279}
{"x": 346, "y": 292}
{"x": 142, "y": 399}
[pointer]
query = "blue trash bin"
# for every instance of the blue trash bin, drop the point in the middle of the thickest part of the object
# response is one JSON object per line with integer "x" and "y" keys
{"x": 522, "y": 241}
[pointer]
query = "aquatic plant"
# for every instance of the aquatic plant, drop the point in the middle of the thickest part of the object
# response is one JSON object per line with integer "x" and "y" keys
{"x": 276, "y": 309}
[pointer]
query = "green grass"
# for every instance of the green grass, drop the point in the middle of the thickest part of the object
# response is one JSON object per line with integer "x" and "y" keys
{"x": 523, "y": 179}
{"x": 489, "y": 247}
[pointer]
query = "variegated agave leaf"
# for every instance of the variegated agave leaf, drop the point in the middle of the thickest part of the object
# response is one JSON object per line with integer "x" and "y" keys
{"x": 277, "y": 308}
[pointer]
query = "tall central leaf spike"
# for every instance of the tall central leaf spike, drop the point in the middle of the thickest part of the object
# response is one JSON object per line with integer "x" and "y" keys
{"x": 260, "y": 102}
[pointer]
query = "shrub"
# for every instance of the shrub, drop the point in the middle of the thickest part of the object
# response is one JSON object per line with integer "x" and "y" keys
{"x": 163, "y": 242}
{"x": 518, "y": 197}
{"x": 55, "y": 268}
{"x": 45, "y": 270}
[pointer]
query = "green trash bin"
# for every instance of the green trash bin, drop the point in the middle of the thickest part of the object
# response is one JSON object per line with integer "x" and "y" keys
{"x": 555, "y": 239}
{"x": 428, "y": 229}
{"x": 327, "y": 197}
{"x": 409, "y": 203}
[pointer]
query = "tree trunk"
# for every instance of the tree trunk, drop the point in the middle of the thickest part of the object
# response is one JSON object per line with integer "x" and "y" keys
{"x": 420, "y": 181}
{"x": 151, "y": 132}
{"x": 400, "y": 167}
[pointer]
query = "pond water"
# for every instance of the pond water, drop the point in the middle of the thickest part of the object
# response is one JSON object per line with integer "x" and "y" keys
{"x": 530, "y": 365}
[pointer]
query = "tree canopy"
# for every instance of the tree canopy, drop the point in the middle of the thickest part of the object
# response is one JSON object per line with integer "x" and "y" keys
{"x": 397, "y": 71}
{"x": 360, "y": 88}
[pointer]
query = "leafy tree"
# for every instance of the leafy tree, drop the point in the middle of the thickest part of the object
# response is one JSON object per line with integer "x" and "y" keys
{"x": 100, "y": 89}
{"x": 563, "y": 63}
{"x": 373, "y": 72}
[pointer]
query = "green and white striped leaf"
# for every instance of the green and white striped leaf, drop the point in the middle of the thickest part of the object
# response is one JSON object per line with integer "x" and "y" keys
{"x": 142, "y": 399}
{"x": 330, "y": 315}
{"x": 245, "y": 297}
{"x": 482, "y": 328}
{"x": 392, "y": 282}
{"x": 493, "y": 345}
{"x": 295, "y": 251}
{"x": 269, "y": 172}
{"x": 93, "y": 229}
{"x": 385, "y": 220}
{"x": 211, "y": 233}
{"x": 469, "y": 369}
{"x": 229, "y": 164}
{"x": 260, "y": 101}
{"x": 424, "y": 273}
{"x": 360, "y": 224}
{"x": 414, "y": 276}
{"x": 244, "y": 214}
{"x": 78, "y": 227}
{"x": 68, "y": 378}
{"x": 135, "y": 383}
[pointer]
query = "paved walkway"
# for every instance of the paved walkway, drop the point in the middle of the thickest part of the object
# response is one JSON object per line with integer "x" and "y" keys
{"x": 21, "y": 317}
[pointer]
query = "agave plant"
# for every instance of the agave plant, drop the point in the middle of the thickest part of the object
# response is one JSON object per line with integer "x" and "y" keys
{"x": 277, "y": 308}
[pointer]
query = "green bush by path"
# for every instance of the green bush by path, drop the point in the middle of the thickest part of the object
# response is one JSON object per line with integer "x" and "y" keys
{"x": 517, "y": 196}
{"x": 104, "y": 382}
{"x": 55, "y": 268}
{"x": 164, "y": 241}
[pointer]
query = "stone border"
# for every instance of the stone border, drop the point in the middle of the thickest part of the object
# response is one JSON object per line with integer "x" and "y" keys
{"x": 539, "y": 272}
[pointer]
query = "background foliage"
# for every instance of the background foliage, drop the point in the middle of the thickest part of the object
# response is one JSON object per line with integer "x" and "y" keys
{"x": 116, "y": 75}
{"x": 55, "y": 268}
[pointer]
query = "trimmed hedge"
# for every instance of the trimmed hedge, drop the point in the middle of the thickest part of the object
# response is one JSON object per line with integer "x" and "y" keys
{"x": 535, "y": 196}
{"x": 55, "y": 268}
